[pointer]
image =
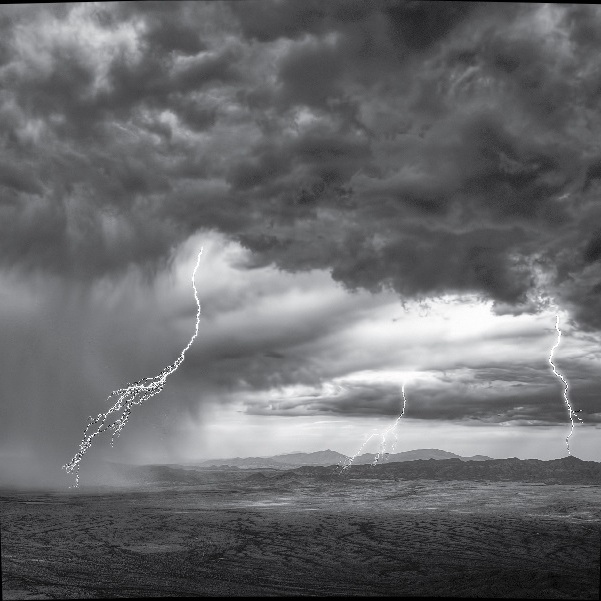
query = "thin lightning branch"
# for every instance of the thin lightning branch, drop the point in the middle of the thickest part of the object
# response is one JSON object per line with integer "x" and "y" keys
{"x": 132, "y": 394}
{"x": 391, "y": 428}
{"x": 350, "y": 460}
{"x": 383, "y": 435}
{"x": 571, "y": 411}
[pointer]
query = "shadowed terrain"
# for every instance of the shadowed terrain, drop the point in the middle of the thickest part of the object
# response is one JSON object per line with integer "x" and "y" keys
{"x": 268, "y": 532}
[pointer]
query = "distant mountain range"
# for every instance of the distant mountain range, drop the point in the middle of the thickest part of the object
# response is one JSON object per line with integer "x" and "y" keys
{"x": 328, "y": 457}
{"x": 568, "y": 470}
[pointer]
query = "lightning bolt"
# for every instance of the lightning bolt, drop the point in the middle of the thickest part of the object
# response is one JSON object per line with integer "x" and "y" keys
{"x": 132, "y": 394}
{"x": 571, "y": 411}
{"x": 349, "y": 460}
{"x": 391, "y": 428}
{"x": 382, "y": 435}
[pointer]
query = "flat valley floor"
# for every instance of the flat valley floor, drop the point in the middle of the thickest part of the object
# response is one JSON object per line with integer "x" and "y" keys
{"x": 347, "y": 537}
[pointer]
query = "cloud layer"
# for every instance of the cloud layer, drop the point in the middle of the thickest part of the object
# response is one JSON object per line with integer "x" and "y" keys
{"x": 423, "y": 147}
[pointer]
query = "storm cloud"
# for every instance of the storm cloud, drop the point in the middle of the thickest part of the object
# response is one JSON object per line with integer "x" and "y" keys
{"x": 452, "y": 145}
{"x": 342, "y": 158}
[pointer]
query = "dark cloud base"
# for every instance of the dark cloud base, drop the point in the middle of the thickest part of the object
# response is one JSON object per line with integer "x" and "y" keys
{"x": 447, "y": 147}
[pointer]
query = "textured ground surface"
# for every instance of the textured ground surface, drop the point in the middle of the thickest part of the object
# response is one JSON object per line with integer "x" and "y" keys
{"x": 348, "y": 538}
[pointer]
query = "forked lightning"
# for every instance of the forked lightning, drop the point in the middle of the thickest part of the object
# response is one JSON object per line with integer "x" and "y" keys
{"x": 132, "y": 394}
{"x": 571, "y": 411}
{"x": 382, "y": 452}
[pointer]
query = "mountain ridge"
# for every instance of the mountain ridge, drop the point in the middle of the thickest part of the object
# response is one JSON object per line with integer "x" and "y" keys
{"x": 567, "y": 470}
{"x": 329, "y": 457}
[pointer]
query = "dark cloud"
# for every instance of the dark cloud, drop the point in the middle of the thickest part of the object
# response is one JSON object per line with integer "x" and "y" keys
{"x": 309, "y": 74}
{"x": 422, "y": 146}
{"x": 269, "y": 21}
{"x": 419, "y": 25}
{"x": 170, "y": 31}
{"x": 451, "y": 400}
{"x": 592, "y": 251}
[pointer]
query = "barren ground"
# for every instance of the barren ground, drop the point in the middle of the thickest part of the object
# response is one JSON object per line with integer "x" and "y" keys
{"x": 350, "y": 537}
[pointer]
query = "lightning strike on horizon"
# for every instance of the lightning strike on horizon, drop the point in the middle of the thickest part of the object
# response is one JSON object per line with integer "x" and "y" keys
{"x": 382, "y": 450}
{"x": 142, "y": 389}
{"x": 349, "y": 460}
{"x": 383, "y": 435}
{"x": 571, "y": 411}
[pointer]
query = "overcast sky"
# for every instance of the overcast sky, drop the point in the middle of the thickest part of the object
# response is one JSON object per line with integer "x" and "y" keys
{"x": 386, "y": 193}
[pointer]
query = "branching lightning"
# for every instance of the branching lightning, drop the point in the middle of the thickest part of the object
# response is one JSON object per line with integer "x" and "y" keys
{"x": 571, "y": 411}
{"x": 132, "y": 394}
{"x": 383, "y": 435}
{"x": 349, "y": 460}
{"x": 392, "y": 428}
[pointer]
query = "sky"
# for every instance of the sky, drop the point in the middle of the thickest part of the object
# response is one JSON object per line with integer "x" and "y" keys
{"x": 386, "y": 193}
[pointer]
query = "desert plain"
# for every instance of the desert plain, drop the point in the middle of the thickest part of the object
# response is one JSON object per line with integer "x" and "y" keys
{"x": 250, "y": 532}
